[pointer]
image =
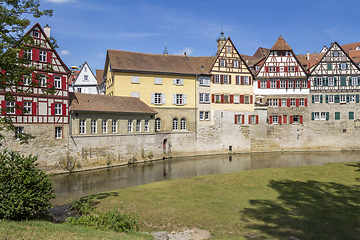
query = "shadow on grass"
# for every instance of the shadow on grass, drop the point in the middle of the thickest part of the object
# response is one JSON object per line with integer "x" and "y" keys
{"x": 357, "y": 165}
{"x": 308, "y": 210}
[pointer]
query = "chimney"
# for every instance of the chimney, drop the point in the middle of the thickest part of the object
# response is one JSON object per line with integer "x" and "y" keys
{"x": 47, "y": 31}
{"x": 308, "y": 55}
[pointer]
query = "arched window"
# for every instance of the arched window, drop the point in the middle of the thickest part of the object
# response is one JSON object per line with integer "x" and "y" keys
{"x": 175, "y": 124}
{"x": 157, "y": 124}
{"x": 183, "y": 124}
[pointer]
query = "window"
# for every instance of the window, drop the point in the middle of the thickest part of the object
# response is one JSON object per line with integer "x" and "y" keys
{"x": 262, "y": 84}
{"x": 236, "y": 63}
{"x": 138, "y": 125}
{"x": 201, "y": 115}
{"x": 28, "y": 54}
{"x": 272, "y": 84}
{"x": 292, "y": 102}
{"x": 275, "y": 119}
{"x": 217, "y": 78}
{"x": 58, "y": 108}
{"x": 93, "y": 126}
{"x": 135, "y": 94}
{"x": 78, "y": 90}
{"x": 316, "y": 115}
{"x": 26, "y": 80}
{"x": 113, "y": 126}
{"x": 304, "y": 84}
{"x": 157, "y": 124}
{"x": 342, "y": 98}
{"x": 296, "y": 119}
{"x": 297, "y": 84}
{"x": 42, "y": 80}
{"x": 27, "y": 107}
{"x": 18, "y": 132}
{"x": 236, "y": 99}
{"x": 335, "y": 53}
{"x": 323, "y": 116}
{"x": 284, "y": 102}
{"x": 272, "y": 69}
{"x": 175, "y": 124}
{"x": 178, "y": 81}
{"x": 253, "y": 119}
{"x": 282, "y": 84}
{"x": 239, "y": 118}
{"x": 229, "y": 49}
{"x": 343, "y": 66}
{"x": 329, "y": 66}
{"x": 207, "y": 115}
{"x": 36, "y": 34}
{"x": 331, "y": 98}
{"x": 10, "y": 107}
{"x": 86, "y": 78}
{"x": 179, "y": 99}
{"x": 104, "y": 126}
{"x": 57, "y": 82}
{"x": 301, "y": 101}
{"x": 354, "y": 81}
{"x": 146, "y": 126}
{"x": 42, "y": 56}
{"x": 337, "y": 115}
{"x": 82, "y": 126}
{"x": 183, "y": 124}
{"x": 291, "y": 84}
{"x": 246, "y": 80}
{"x": 157, "y": 80}
{"x": 222, "y": 63}
{"x": 273, "y": 102}
{"x": 158, "y": 97}
{"x": 135, "y": 79}
{"x": 319, "y": 81}
{"x": 247, "y": 99}
{"x": 203, "y": 81}
{"x": 226, "y": 79}
{"x": 331, "y": 81}
{"x": 130, "y": 123}
{"x": 352, "y": 98}
{"x": 226, "y": 98}
{"x": 58, "y": 132}
{"x": 291, "y": 69}
{"x": 217, "y": 98}
{"x": 204, "y": 97}
{"x": 316, "y": 98}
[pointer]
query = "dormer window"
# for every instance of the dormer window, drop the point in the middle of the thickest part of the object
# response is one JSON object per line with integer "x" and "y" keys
{"x": 86, "y": 77}
{"x": 36, "y": 34}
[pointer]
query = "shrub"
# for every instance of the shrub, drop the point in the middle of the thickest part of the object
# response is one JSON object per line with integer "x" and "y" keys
{"x": 25, "y": 190}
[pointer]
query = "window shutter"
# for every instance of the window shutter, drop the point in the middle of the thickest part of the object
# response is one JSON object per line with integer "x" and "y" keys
{"x": 315, "y": 83}
{"x": 280, "y": 122}
{"x": 249, "y": 119}
{"x": 213, "y": 78}
{"x": 312, "y": 116}
{"x": 3, "y": 107}
{"x": 313, "y": 98}
{"x": 347, "y": 98}
{"x": 53, "y": 109}
{"x": 63, "y": 83}
{"x": 327, "y": 115}
{"x": 291, "y": 119}
{"x": 242, "y": 98}
{"x": 279, "y": 102}
{"x": 259, "y": 84}
{"x": 320, "y": 98}
{"x": 174, "y": 81}
{"x": 266, "y": 69}
{"x": 296, "y": 68}
{"x": 33, "y": 108}
{"x": 229, "y": 79}
{"x": 212, "y": 98}
{"x": 243, "y": 119}
{"x": 34, "y": 80}
{"x": 257, "y": 119}
{"x": 285, "y": 69}
{"x": 235, "y": 119}
{"x": 21, "y": 53}
{"x": 19, "y": 107}
{"x": 51, "y": 80}
{"x": 350, "y": 83}
{"x": 305, "y": 102}
{"x": 222, "y": 98}
{"x": 35, "y": 54}
{"x": 163, "y": 98}
{"x": 184, "y": 100}
{"x": 337, "y": 99}
{"x": 231, "y": 98}
{"x": 287, "y": 84}
{"x": 242, "y": 80}
{"x": 49, "y": 57}
{"x": 346, "y": 66}
{"x": 335, "y": 81}
{"x": 297, "y": 102}
{"x": 284, "y": 119}
{"x": 301, "y": 119}
{"x": 267, "y": 84}
{"x": 251, "y": 99}
{"x": 174, "y": 99}
{"x": 271, "y": 119}
{"x": 64, "y": 109}
{"x": 250, "y": 83}
{"x": 326, "y": 81}
{"x": 152, "y": 98}
{"x": 278, "y": 84}
{"x": 181, "y": 81}
{"x": 308, "y": 85}
{"x": 277, "y": 69}
{"x": 357, "y": 98}
{"x": 288, "y": 102}
{"x": 326, "y": 98}
{"x": 221, "y": 79}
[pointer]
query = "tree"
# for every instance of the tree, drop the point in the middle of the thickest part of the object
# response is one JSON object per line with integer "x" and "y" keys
{"x": 13, "y": 63}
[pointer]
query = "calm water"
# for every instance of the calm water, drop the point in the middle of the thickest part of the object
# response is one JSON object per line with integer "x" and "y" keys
{"x": 77, "y": 185}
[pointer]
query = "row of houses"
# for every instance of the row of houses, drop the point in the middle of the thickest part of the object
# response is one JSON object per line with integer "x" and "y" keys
{"x": 181, "y": 104}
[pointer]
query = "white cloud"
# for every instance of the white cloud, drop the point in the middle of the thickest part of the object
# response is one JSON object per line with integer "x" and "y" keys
{"x": 64, "y": 52}
{"x": 60, "y": 1}
{"x": 188, "y": 50}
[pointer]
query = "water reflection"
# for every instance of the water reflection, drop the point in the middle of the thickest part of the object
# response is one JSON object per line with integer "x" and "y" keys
{"x": 77, "y": 185}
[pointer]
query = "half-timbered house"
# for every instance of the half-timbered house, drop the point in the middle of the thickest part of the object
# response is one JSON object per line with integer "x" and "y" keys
{"x": 281, "y": 84}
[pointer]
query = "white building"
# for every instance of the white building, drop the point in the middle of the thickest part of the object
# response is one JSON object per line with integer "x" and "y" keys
{"x": 85, "y": 81}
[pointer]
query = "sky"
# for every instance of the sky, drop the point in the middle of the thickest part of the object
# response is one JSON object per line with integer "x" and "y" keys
{"x": 85, "y": 29}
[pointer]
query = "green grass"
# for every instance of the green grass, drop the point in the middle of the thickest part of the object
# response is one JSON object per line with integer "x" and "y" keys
{"x": 316, "y": 202}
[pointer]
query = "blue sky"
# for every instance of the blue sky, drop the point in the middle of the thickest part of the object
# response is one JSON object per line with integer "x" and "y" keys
{"x": 85, "y": 29}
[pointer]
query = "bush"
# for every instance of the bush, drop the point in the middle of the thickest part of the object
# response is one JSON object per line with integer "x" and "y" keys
{"x": 25, "y": 190}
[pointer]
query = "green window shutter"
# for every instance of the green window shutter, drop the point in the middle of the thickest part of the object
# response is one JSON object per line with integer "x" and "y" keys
{"x": 337, "y": 99}
{"x": 335, "y": 81}
{"x": 312, "y": 116}
{"x": 323, "y": 81}
{"x": 327, "y": 115}
{"x": 320, "y": 98}
{"x": 347, "y": 98}
{"x": 357, "y": 98}
{"x": 337, "y": 115}
{"x": 326, "y": 99}
{"x": 314, "y": 81}
{"x": 340, "y": 66}
{"x": 326, "y": 81}
{"x": 329, "y": 66}
{"x": 351, "y": 115}
{"x": 313, "y": 99}
{"x": 346, "y": 66}
{"x": 343, "y": 81}
{"x": 350, "y": 83}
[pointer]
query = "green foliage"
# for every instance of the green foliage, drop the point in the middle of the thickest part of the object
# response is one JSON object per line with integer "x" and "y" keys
{"x": 25, "y": 190}
{"x": 83, "y": 206}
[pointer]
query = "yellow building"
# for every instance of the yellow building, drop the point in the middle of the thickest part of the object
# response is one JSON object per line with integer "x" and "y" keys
{"x": 167, "y": 83}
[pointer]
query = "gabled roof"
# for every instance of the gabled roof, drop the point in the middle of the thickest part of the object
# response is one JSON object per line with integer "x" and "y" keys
{"x": 106, "y": 103}
{"x": 351, "y": 46}
{"x": 80, "y": 73}
{"x": 281, "y": 44}
{"x": 261, "y": 52}
{"x": 202, "y": 65}
{"x": 314, "y": 59}
{"x": 99, "y": 76}
{"x": 48, "y": 41}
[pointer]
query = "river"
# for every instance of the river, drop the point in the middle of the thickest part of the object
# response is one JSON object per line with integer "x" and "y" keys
{"x": 79, "y": 184}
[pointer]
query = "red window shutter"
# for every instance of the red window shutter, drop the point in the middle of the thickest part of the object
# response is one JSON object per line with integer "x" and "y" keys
{"x": 212, "y": 98}
{"x": 257, "y": 119}
{"x": 63, "y": 83}
{"x": 21, "y": 53}
{"x": 251, "y": 99}
{"x": 241, "y": 98}
{"x": 301, "y": 119}
{"x": 249, "y": 119}
{"x": 270, "y": 119}
{"x": 259, "y": 84}
{"x": 53, "y": 109}
{"x": 297, "y": 102}
{"x": 280, "y": 122}
{"x": 243, "y": 119}
{"x": 229, "y": 79}
{"x": 222, "y": 98}
{"x": 33, "y": 108}
{"x": 235, "y": 119}
{"x": 3, "y": 107}
{"x": 242, "y": 80}
{"x": 48, "y": 57}
{"x": 51, "y": 80}
{"x": 278, "y": 84}
{"x": 308, "y": 84}
{"x": 267, "y": 84}
{"x": 213, "y": 78}
{"x": 18, "y": 107}
{"x": 277, "y": 69}
{"x": 250, "y": 83}
{"x": 279, "y": 102}
{"x": 285, "y": 69}
{"x": 291, "y": 119}
{"x": 288, "y": 102}
{"x": 231, "y": 98}
{"x": 221, "y": 79}
{"x": 64, "y": 109}
{"x": 305, "y": 102}
{"x": 34, "y": 79}
{"x": 284, "y": 119}
{"x": 35, "y": 54}
{"x": 266, "y": 69}
{"x": 296, "y": 68}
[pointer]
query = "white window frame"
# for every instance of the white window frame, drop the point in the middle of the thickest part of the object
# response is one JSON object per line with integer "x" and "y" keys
{"x": 114, "y": 126}
{"x": 28, "y": 54}
{"x": 207, "y": 115}
{"x": 130, "y": 126}
{"x": 57, "y": 81}
{"x": 226, "y": 79}
{"x": 222, "y": 62}
{"x": 27, "y": 80}
{"x": 157, "y": 81}
{"x": 297, "y": 84}
{"x": 201, "y": 115}
{"x": 323, "y": 116}
{"x": 290, "y": 84}
{"x": 183, "y": 124}
{"x": 178, "y": 82}
{"x": 316, "y": 98}
{"x": 331, "y": 98}
{"x": 58, "y": 108}
{"x": 42, "y": 56}
{"x": 135, "y": 79}
{"x": 282, "y": 84}
{"x": 354, "y": 81}
{"x": 157, "y": 124}
{"x": 104, "y": 125}
{"x": 10, "y": 107}
{"x": 319, "y": 81}
{"x": 352, "y": 98}
{"x": 36, "y": 34}
{"x": 336, "y": 53}
{"x": 262, "y": 83}
{"x": 253, "y": 119}
{"x": 58, "y": 132}
{"x": 138, "y": 125}
{"x": 296, "y": 119}
{"x": 27, "y": 108}
{"x": 236, "y": 98}
{"x": 246, "y": 80}
{"x": 236, "y": 63}
{"x": 135, "y": 94}
{"x": 331, "y": 81}
{"x": 158, "y": 98}
{"x": 175, "y": 123}
{"x": 217, "y": 78}
{"x": 273, "y": 84}
{"x": 93, "y": 126}
{"x": 82, "y": 126}
{"x": 146, "y": 126}
{"x": 304, "y": 84}
{"x": 247, "y": 99}
{"x": 275, "y": 119}
{"x": 342, "y": 98}
{"x": 42, "y": 80}
{"x": 342, "y": 66}
{"x": 204, "y": 81}
{"x": 316, "y": 116}
{"x": 292, "y": 102}
{"x": 301, "y": 102}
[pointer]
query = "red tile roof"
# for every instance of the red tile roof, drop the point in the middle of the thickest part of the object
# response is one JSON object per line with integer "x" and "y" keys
{"x": 202, "y": 65}
{"x": 281, "y": 44}
{"x": 351, "y": 46}
{"x": 106, "y": 103}
{"x": 99, "y": 76}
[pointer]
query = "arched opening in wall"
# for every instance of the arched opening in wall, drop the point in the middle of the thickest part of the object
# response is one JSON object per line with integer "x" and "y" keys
{"x": 175, "y": 124}
{"x": 183, "y": 124}
{"x": 157, "y": 125}
{"x": 164, "y": 145}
